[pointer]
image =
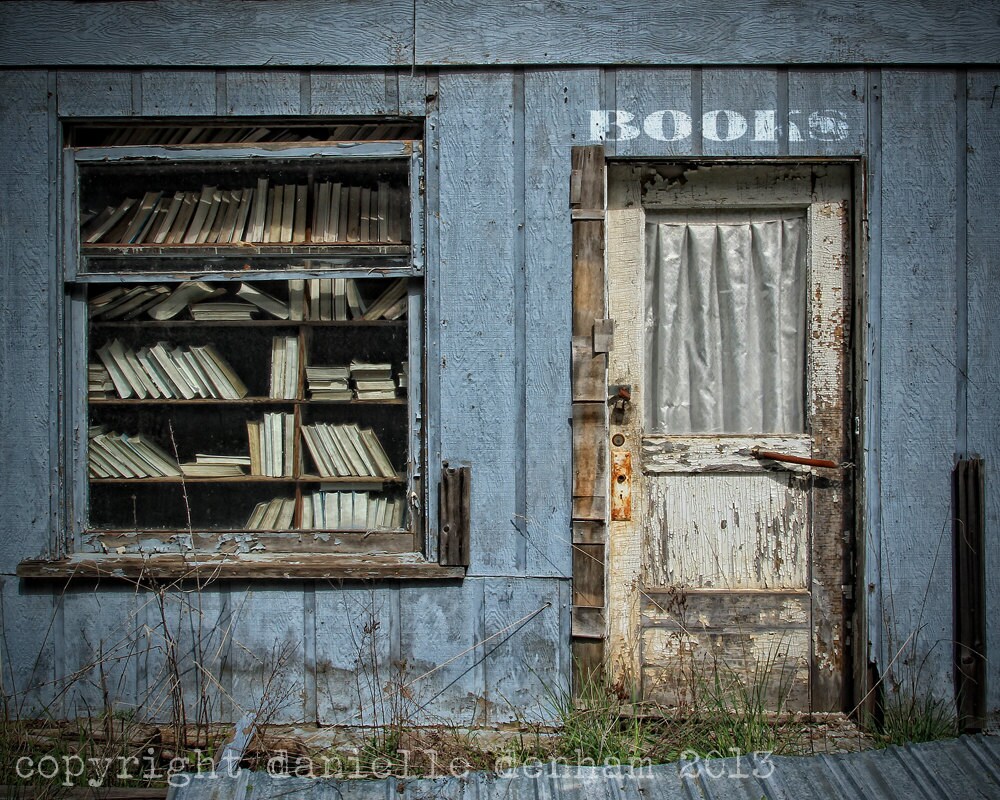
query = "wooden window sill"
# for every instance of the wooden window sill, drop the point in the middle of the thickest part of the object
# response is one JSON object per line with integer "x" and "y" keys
{"x": 207, "y": 567}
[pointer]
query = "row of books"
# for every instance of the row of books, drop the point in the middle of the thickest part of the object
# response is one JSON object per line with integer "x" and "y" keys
{"x": 284, "y": 383}
{"x": 272, "y": 515}
{"x": 340, "y": 299}
{"x": 352, "y": 511}
{"x": 326, "y": 299}
{"x": 335, "y": 510}
{"x": 346, "y": 450}
{"x": 272, "y": 445}
{"x": 126, "y": 136}
{"x": 344, "y": 213}
{"x": 264, "y": 214}
{"x": 118, "y": 455}
{"x": 163, "y": 371}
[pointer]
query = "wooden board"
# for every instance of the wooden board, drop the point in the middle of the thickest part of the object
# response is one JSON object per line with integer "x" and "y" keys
{"x": 100, "y": 662}
{"x": 480, "y": 397}
{"x": 348, "y": 93}
{"x": 178, "y": 93}
{"x": 268, "y": 651}
{"x": 32, "y": 638}
{"x": 357, "y": 640}
{"x": 695, "y": 644}
{"x": 736, "y": 112}
{"x": 918, "y": 309}
{"x": 705, "y": 541}
{"x": 264, "y": 92}
{"x": 658, "y": 92}
{"x": 191, "y": 34}
{"x": 691, "y": 32}
{"x": 556, "y": 113}
{"x": 828, "y": 110}
{"x": 527, "y": 661}
{"x": 983, "y": 336}
{"x": 444, "y": 670}
{"x": 94, "y": 94}
{"x": 27, "y": 360}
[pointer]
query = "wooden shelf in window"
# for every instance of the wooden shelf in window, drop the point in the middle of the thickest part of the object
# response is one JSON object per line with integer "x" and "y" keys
{"x": 250, "y": 323}
{"x": 246, "y": 401}
{"x": 297, "y": 249}
{"x": 364, "y": 480}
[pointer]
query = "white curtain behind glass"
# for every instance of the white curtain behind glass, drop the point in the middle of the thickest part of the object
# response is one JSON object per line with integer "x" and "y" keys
{"x": 725, "y": 324}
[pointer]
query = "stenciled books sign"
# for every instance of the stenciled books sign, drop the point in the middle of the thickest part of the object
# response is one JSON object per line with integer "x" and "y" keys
{"x": 718, "y": 125}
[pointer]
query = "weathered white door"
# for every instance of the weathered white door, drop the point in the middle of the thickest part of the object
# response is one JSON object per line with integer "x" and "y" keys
{"x": 729, "y": 289}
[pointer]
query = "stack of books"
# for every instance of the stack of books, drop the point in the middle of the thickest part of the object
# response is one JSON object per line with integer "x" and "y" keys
{"x": 99, "y": 383}
{"x": 118, "y": 455}
{"x": 352, "y": 511}
{"x": 347, "y": 450}
{"x": 329, "y": 383}
{"x": 372, "y": 381}
{"x": 391, "y": 304}
{"x": 170, "y": 372}
{"x": 206, "y": 465}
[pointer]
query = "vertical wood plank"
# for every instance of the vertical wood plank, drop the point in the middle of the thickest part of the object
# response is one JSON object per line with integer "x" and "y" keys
{"x": 479, "y": 395}
{"x": 918, "y": 373}
{"x": 354, "y": 645}
{"x": 438, "y": 627}
{"x": 736, "y": 118}
{"x": 180, "y": 93}
{"x": 263, "y": 93}
{"x": 27, "y": 274}
{"x": 411, "y": 92}
{"x": 826, "y": 112}
{"x": 557, "y": 106}
{"x": 29, "y": 633}
{"x": 350, "y": 93}
{"x": 268, "y": 654}
{"x": 525, "y": 665}
{"x": 660, "y": 100}
{"x": 983, "y": 244}
{"x": 187, "y": 636}
{"x": 106, "y": 93}
{"x": 100, "y": 664}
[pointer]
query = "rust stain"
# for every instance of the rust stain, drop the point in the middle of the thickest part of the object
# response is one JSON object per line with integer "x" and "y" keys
{"x": 621, "y": 485}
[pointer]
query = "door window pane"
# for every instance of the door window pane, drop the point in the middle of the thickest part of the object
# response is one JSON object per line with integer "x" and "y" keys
{"x": 725, "y": 322}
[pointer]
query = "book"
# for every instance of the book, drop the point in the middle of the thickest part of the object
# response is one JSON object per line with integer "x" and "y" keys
{"x": 272, "y": 305}
{"x": 222, "y": 311}
{"x": 258, "y": 213}
{"x": 301, "y": 205}
{"x": 238, "y": 232}
{"x": 143, "y": 211}
{"x": 181, "y": 297}
{"x": 287, "y": 214}
{"x": 296, "y": 298}
{"x": 389, "y": 297}
{"x": 97, "y": 231}
{"x": 183, "y": 219}
{"x": 200, "y": 215}
{"x": 210, "y": 226}
{"x": 224, "y": 378}
{"x": 333, "y": 218}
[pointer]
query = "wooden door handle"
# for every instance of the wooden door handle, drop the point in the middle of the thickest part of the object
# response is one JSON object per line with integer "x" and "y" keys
{"x": 756, "y": 452}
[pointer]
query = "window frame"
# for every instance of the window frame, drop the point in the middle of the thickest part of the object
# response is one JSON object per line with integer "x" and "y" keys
{"x": 72, "y": 556}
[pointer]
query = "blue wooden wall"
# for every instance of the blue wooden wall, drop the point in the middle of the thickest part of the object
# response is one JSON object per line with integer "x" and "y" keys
{"x": 492, "y": 648}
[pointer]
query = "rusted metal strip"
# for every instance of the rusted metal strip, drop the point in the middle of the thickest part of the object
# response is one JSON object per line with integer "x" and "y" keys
{"x": 756, "y": 452}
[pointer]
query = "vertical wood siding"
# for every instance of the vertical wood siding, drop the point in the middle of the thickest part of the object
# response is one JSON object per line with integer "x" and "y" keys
{"x": 983, "y": 243}
{"x": 917, "y": 435}
{"x": 501, "y": 144}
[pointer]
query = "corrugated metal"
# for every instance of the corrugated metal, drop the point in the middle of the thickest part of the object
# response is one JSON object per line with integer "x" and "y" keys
{"x": 967, "y": 767}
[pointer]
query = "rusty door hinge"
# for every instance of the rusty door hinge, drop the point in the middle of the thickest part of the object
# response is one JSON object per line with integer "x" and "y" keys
{"x": 454, "y": 517}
